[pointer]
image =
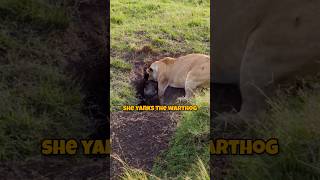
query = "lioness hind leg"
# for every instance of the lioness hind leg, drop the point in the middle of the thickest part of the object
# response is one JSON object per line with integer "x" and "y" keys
{"x": 257, "y": 82}
{"x": 192, "y": 82}
{"x": 190, "y": 87}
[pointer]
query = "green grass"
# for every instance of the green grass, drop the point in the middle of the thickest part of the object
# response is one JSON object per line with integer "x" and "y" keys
{"x": 166, "y": 26}
{"x": 38, "y": 99}
{"x": 119, "y": 64}
{"x": 122, "y": 92}
{"x": 37, "y": 13}
{"x": 129, "y": 173}
{"x": 189, "y": 143}
{"x": 169, "y": 26}
{"x": 295, "y": 122}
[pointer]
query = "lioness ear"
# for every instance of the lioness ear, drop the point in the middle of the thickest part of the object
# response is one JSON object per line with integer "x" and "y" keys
{"x": 168, "y": 60}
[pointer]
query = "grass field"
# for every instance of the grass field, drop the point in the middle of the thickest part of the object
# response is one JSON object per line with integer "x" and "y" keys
{"x": 172, "y": 28}
{"x": 38, "y": 99}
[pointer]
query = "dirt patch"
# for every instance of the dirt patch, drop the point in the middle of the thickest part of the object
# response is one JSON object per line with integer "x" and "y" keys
{"x": 139, "y": 137}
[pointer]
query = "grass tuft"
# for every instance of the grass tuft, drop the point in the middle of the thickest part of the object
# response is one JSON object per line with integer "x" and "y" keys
{"x": 189, "y": 143}
{"x": 130, "y": 173}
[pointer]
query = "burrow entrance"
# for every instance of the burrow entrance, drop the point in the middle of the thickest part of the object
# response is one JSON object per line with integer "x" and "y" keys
{"x": 139, "y": 80}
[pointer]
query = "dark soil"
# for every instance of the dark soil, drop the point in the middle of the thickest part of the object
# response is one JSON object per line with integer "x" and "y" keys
{"x": 139, "y": 137}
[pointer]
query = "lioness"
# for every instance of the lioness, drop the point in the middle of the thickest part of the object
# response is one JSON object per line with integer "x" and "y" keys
{"x": 188, "y": 72}
{"x": 271, "y": 44}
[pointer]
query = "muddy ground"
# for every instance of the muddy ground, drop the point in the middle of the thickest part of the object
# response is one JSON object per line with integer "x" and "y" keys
{"x": 139, "y": 137}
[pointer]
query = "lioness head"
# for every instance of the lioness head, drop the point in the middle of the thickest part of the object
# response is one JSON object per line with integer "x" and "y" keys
{"x": 152, "y": 71}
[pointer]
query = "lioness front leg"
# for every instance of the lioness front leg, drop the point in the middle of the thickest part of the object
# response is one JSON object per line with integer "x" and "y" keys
{"x": 162, "y": 86}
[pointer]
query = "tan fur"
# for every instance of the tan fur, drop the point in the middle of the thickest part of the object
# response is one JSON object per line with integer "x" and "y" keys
{"x": 188, "y": 72}
{"x": 168, "y": 60}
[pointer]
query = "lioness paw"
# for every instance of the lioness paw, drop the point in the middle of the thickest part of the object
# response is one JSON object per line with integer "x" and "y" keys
{"x": 183, "y": 100}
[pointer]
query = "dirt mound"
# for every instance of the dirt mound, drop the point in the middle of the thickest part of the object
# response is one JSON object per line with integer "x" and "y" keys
{"x": 139, "y": 137}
